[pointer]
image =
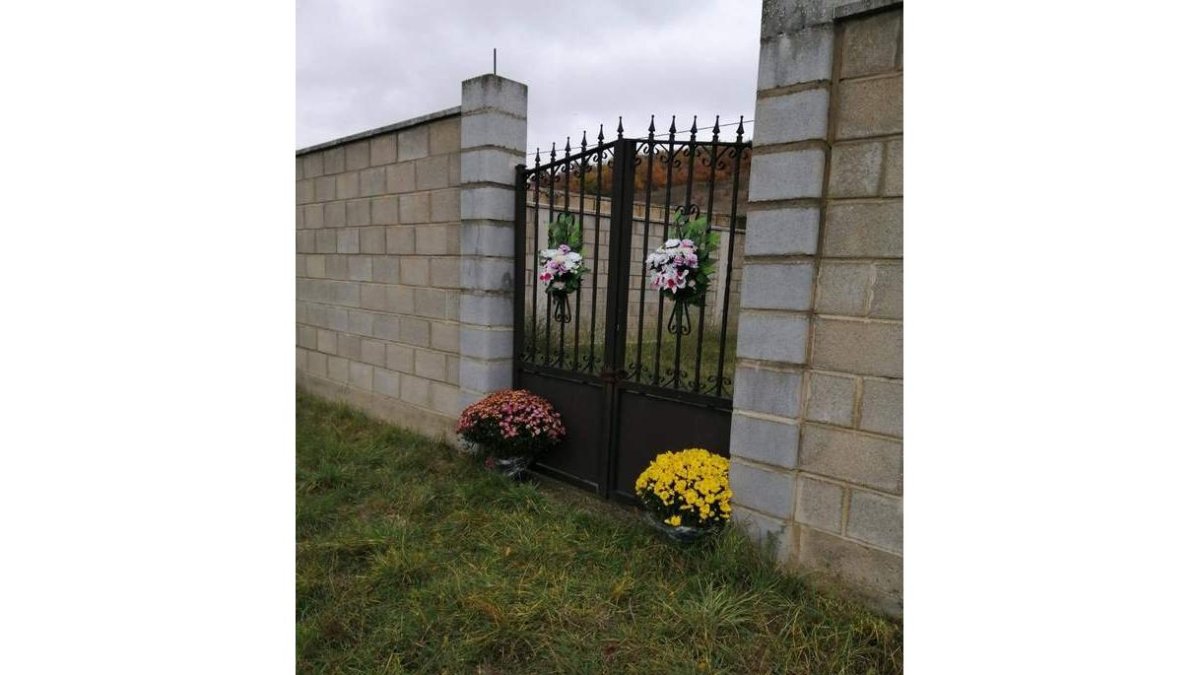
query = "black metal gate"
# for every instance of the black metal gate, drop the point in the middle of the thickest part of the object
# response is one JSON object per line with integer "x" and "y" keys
{"x": 634, "y": 370}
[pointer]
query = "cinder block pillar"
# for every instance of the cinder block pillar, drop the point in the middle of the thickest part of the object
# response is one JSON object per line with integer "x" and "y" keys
{"x": 493, "y": 144}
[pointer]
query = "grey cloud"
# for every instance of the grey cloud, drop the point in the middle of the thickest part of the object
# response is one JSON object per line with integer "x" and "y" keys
{"x": 366, "y": 63}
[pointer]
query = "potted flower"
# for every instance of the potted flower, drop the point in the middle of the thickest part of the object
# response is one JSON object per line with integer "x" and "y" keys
{"x": 510, "y": 428}
{"x": 682, "y": 267}
{"x": 560, "y": 267}
{"x": 686, "y": 493}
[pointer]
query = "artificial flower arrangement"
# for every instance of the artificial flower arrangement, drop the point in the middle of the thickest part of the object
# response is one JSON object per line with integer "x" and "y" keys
{"x": 688, "y": 491}
{"x": 510, "y": 428}
{"x": 561, "y": 266}
{"x": 682, "y": 267}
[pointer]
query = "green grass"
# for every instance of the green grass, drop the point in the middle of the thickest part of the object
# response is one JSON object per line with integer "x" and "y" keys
{"x": 412, "y": 559}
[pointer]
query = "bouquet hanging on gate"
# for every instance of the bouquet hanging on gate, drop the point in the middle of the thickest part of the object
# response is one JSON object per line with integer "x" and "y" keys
{"x": 682, "y": 267}
{"x": 561, "y": 266}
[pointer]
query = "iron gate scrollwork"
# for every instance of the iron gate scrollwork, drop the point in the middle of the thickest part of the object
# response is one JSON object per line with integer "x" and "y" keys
{"x": 628, "y": 365}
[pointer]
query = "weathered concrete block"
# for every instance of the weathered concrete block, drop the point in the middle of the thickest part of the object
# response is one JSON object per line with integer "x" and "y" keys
{"x": 347, "y": 241}
{"x": 373, "y": 182}
{"x": 387, "y": 382}
{"x": 855, "y": 169}
{"x": 870, "y": 44}
{"x": 400, "y": 177}
{"x": 373, "y": 297}
{"x": 486, "y": 310}
{"x": 385, "y": 269}
{"x": 772, "y": 337}
{"x": 358, "y": 212}
{"x": 372, "y": 240}
{"x": 414, "y": 271}
{"x": 493, "y": 129}
{"x": 764, "y": 441}
{"x": 443, "y": 206}
{"x": 887, "y": 294}
{"x": 306, "y": 336}
{"x": 414, "y": 390}
{"x": 770, "y": 492}
{"x": 338, "y": 369}
{"x": 401, "y": 240}
{"x": 414, "y": 208}
{"x": 358, "y": 155}
{"x": 777, "y": 286}
{"x": 793, "y": 174}
{"x": 312, "y": 164}
{"x": 859, "y": 347}
{"x": 883, "y": 407}
{"x": 414, "y": 331}
{"x": 486, "y": 203}
{"x": 400, "y": 298}
{"x": 383, "y": 150}
{"x": 794, "y": 117}
{"x": 852, "y": 457}
{"x": 873, "y": 107}
{"x": 413, "y": 143}
{"x": 874, "y": 572}
{"x": 484, "y": 376}
{"x": 767, "y": 391}
{"x": 444, "y": 398}
{"x": 306, "y": 241}
{"x": 337, "y": 267}
{"x": 486, "y": 274}
{"x": 443, "y": 335}
{"x": 349, "y": 347}
{"x": 327, "y": 341}
{"x": 496, "y": 93}
{"x": 444, "y": 272}
{"x": 788, "y": 59}
{"x": 315, "y": 266}
{"x": 314, "y": 216}
{"x": 360, "y": 268}
{"x": 429, "y": 303}
{"x": 305, "y": 191}
{"x": 432, "y": 240}
{"x": 335, "y": 214}
{"x": 893, "y": 169}
{"x": 865, "y": 230}
{"x": 317, "y": 364}
{"x": 373, "y": 352}
{"x": 483, "y": 238}
{"x": 830, "y": 399}
{"x": 325, "y": 188}
{"x": 347, "y": 185}
{"x": 769, "y": 533}
{"x": 335, "y": 160}
{"x": 385, "y": 210}
{"x": 444, "y": 136}
{"x": 819, "y": 504}
{"x": 430, "y": 365}
{"x": 386, "y": 327}
{"x": 843, "y": 288}
{"x": 400, "y": 357}
{"x": 877, "y": 520}
{"x": 433, "y": 173}
{"x": 362, "y": 376}
{"x": 489, "y": 165}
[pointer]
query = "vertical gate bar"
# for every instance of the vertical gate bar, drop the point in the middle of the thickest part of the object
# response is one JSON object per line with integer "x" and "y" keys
{"x": 553, "y": 180}
{"x": 637, "y": 372}
{"x": 714, "y": 155}
{"x": 692, "y": 147}
{"x": 519, "y": 272}
{"x": 596, "y": 246}
{"x": 738, "y": 153}
{"x": 620, "y": 234}
{"x": 566, "y": 210}
{"x": 666, "y": 227}
{"x": 537, "y": 199}
{"x": 583, "y": 169}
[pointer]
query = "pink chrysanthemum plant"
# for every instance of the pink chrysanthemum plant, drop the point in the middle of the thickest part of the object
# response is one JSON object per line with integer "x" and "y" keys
{"x": 511, "y": 423}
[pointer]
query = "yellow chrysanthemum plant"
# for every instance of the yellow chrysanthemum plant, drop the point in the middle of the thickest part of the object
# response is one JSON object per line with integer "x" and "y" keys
{"x": 687, "y": 489}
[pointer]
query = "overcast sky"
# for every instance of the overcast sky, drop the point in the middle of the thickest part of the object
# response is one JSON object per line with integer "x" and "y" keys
{"x": 362, "y": 64}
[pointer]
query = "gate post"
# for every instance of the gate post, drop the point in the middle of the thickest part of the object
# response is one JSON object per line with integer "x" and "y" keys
{"x": 493, "y": 144}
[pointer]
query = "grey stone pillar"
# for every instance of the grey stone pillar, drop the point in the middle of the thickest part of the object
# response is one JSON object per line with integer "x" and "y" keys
{"x": 493, "y": 144}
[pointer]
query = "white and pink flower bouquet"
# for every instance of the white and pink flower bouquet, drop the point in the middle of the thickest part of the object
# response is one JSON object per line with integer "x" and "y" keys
{"x": 560, "y": 267}
{"x": 681, "y": 268}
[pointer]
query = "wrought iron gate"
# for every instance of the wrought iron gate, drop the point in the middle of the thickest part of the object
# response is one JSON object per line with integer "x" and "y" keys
{"x": 633, "y": 370}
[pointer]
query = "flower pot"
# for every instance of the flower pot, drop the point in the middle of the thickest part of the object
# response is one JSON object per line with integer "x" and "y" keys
{"x": 683, "y": 534}
{"x": 515, "y": 468}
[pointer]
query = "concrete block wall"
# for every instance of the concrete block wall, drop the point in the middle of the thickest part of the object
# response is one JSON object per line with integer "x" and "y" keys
{"x": 817, "y": 425}
{"x": 402, "y": 262}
